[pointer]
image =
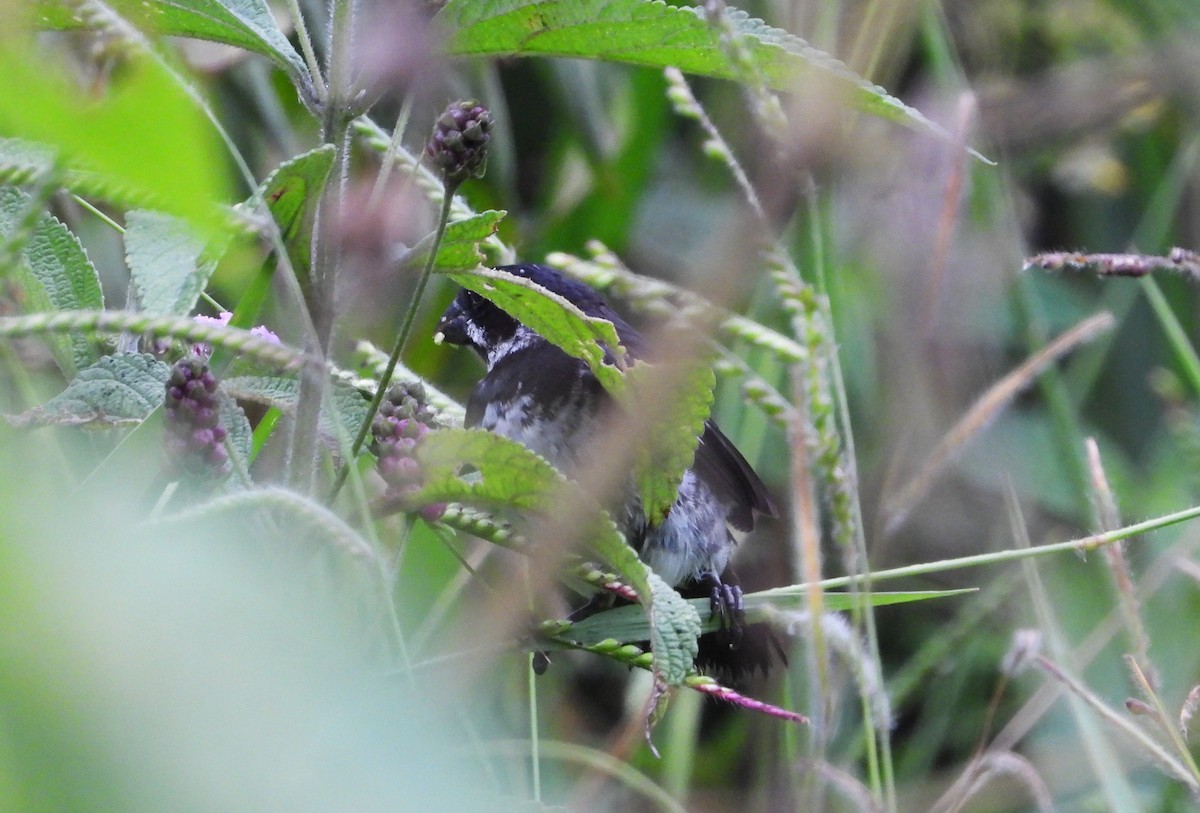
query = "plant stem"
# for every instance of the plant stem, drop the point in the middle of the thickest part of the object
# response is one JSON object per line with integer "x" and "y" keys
{"x": 1082, "y": 544}
{"x": 335, "y": 126}
{"x": 306, "y": 46}
{"x": 401, "y": 339}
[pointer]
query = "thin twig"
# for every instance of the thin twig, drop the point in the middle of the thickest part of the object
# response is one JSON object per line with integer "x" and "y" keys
{"x": 1178, "y": 260}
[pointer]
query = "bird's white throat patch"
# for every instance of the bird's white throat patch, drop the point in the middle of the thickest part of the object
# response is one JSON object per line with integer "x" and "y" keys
{"x": 520, "y": 340}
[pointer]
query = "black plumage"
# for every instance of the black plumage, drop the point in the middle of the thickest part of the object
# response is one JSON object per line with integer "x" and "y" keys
{"x": 535, "y": 393}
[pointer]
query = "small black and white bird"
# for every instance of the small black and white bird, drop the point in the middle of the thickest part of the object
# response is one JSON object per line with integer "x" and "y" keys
{"x": 552, "y": 403}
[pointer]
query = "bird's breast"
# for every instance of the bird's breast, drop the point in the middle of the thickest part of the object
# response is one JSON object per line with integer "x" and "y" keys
{"x": 556, "y": 434}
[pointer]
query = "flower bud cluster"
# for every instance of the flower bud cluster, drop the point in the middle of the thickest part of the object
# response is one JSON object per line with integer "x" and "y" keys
{"x": 195, "y": 440}
{"x": 458, "y": 146}
{"x": 404, "y": 418}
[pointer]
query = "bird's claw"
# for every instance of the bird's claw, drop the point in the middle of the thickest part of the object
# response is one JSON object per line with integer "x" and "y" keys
{"x": 725, "y": 602}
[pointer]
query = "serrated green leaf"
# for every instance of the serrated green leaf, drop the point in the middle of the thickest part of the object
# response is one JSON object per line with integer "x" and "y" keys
{"x": 145, "y": 124}
{"x": 629, "y": 623}
{"x": 502, "y": 472}
{"x": 167, "y": 262}
{"x": 652, "y": 33}
{"x": 122, "y": 388}
{"x": 292, "y": 193}
{"x": 239, "y": 435}
{"x": 671, "y": 449}
{"x": 56, "y": 274}
{"x": 246, "y": 24}
{"x": 282, "y": 393}
{"x": 484, "y": 470}
{"x": 674, "y": 630}
{"x": 459, "y": 249}
{"x": 609, "y": 546}
{"x": 552, "y": 317}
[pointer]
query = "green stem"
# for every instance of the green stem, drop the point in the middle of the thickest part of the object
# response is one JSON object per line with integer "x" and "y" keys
{"x": 335, "y": 126}
{"x": 1083, "y": 545}
{"x": 535, "y": 756}
{"x": 306, "y": 47}
{"x": 108, "y": 221}
{"x": 1177, "y": 337}
{"x": 401, "y": 339}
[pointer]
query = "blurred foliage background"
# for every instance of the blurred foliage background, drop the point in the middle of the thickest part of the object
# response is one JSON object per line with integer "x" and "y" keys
{"x": 189, "y": 665}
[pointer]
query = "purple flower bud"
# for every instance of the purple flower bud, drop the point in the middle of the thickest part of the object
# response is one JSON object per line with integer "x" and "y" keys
{"x": 191, "y": 415}
{"x": 433, "y": 512}
{"x": 458, "y": 145}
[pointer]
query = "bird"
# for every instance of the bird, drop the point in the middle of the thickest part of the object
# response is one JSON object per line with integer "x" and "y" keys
{"x": 535, "y": 393}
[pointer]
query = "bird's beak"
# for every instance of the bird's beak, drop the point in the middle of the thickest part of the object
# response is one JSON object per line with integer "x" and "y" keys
{"x": 451, "y": 328}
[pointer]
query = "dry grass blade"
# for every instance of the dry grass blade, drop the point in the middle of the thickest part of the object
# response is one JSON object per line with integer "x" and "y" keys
{"x": 1114, "y": 556}
{"x": 949, "y": 215}
{"x": 1084, "y": 653}
{"x": 851, "y": 789}
{"x": 1117, "y": 721}
{"x": 806, "y": 549}
{"x": 987, "y": 768}
{"x": 1107, "y": 768}
{"x": 983, "y": 412}
{"x": 1164, "y": 721}
{"x": 1189, "y": 710}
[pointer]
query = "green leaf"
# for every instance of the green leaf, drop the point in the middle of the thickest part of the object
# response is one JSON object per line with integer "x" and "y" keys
{"x": 55, "y": 274}
{"x": 246, "y": 24}
{"x": 628, "y": 622}
{"x": 672, "y": 445}
{"x": 483, "y": 469}
{"x": 674, "y": 630}
{"x": 281, "y": 393}
{"x": 239, "y": 435}
{"x": 147, "y": 139}
{"x": 652, "y": 33}
{"x": 22, "y": 161}
{"x": 552, "y": 317}
{"x": 459, "y": 249}
{"x": 117, "y": 389}
{"x": 292, "y": 193}
{"x": 167, "y": 262}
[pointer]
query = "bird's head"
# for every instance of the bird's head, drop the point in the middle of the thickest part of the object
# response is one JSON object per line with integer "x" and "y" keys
{"x": 473, "y": 321}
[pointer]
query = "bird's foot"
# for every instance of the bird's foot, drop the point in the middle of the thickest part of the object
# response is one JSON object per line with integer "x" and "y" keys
{"x": 725, "y": 602}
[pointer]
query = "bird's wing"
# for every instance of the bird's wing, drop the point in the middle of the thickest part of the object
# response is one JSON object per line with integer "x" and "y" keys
{"x": 721, "y": 466}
